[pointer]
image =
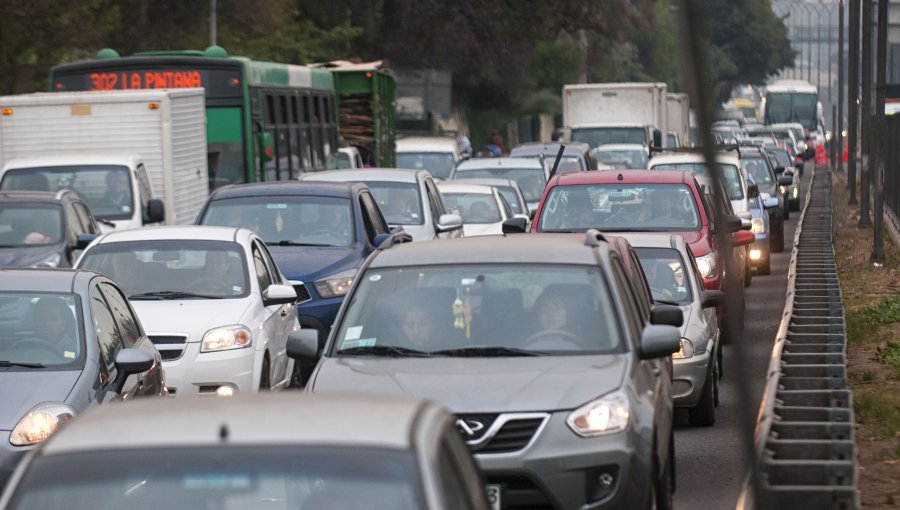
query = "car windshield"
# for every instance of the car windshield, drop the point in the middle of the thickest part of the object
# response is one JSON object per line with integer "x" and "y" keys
{"x": 223, "y": 477}
{"x": 780, "y": 158}
{"x": 400, "y": 202}
{"x": 30, "y": 224}
{"x": 666, "y": 276}
{"x": 596, "y": 137}
{"x": 620, "y": 207}
{"x": 758, "y": 170}
{"x": 730, "y": 175}
{"x": 631, "y": 158}
{"x": 287, "y": 219}
{"x": 172, "y": 269}
{"x": 472, "y": 308}
{"x": 512, "y": 198}
{"x": 106, "y": 189}
{"x": 530, "y": 180}
{"x": 438, "y": 164}
{"x": 473, "y": 207}
{"x": 343, "y": 160}
{"x": 39, "y": 330}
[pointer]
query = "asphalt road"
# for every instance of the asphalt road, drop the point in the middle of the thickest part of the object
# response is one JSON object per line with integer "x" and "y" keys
{"x": 710, "y": 465}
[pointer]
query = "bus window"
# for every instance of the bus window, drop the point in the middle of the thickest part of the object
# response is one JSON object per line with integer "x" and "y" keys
{"x": 305, "y": 109}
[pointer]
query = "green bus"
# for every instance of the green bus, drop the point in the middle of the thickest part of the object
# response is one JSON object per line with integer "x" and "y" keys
{"x": 366, "y": 109}
{"x": 265, "y": 121}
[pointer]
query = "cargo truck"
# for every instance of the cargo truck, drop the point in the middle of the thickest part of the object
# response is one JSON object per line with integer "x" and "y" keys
{"x": 604, "y": 113}
{"x": 678, "y": 128}
{"x": 136, "y": 157}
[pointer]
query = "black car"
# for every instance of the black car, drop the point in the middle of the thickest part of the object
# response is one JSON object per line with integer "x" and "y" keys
{"x": 44, "y": 229}
{"x": 756, "y": 164}
{"x": 577, "y": 156}
{"x": 69, "y": 340}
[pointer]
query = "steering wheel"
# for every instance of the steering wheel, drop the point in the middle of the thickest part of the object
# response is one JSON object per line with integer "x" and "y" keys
{"x": 39, "y": 343}
{"x": 212, "y": 284}
{"x": 328, "y": 233}
{"x": 560, "y": 335}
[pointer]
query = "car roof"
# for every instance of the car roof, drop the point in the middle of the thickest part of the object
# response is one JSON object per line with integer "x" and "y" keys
{"x": 624, "y": 176}
{"x": 459, "y": 187}
{"x": 489, "y": 181}
{"x": 513, "y": 249}
{"x": 39, "y": 280}
{"x": 621, "y": 147}
{"x": 481, "y": 163}
{"x": 177, "y": 232}
{"x": 427, "y": 144}
{"x": 300, "y": 188}
{"x": 655, "y": 240}
{"x": 534, "y": 148}
{"x": 74, "y": 159}
{"x": 289, "y": 418}
{"x": 692, "y": 157}
{"x": 367, "y": 174}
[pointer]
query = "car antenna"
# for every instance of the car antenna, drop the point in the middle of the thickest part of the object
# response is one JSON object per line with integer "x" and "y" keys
{"x": 558, "y": 158}
{"x": 223, "y": 433}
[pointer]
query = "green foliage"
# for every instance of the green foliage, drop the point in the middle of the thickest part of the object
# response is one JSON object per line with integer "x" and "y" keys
{"x": 879, "y": 411}
{"x": 553, "y": 65}
{"x": 862, "y": 324}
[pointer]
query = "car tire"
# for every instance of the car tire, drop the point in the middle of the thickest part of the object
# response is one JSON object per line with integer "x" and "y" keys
{"x": 795, "y": 204}
{"x": 265, "y": 380}
{"x": 764, "y": 267}
{"x": 704, "y": 413}
{"x": 664, "y": 483}
{"x": 721, "y": 362}
{"x": 776, "y": 242}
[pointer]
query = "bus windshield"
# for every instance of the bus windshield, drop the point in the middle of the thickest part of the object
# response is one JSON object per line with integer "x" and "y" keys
{"x": 784, "y": 107}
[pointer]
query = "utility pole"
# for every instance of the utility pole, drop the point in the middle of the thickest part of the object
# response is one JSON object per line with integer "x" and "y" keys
{"x": 880, "y": 65}
{"x": 853, "y": 100}
{"x": 866, "y": 131}
{"x": 841, "y": 79}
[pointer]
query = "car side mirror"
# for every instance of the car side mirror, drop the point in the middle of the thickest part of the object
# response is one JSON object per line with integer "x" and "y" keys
{"x": 770, "y": 203}
{"x": 785, "y": 180}
{"x": 514, "y": 225}
{"x": 128, "y": 362}
{"x": 746, "y": 224}
{"x": 658, "y": 341}
{"x": 779, "y": 169}
{"x": 711, "y": 298}
{"x": 657, "y": 138}
{"x": 449, "y": 222}
{"x": 84, "y": 240}
{"x": 742, "y": 238}
{"x": 752, "y": 191}
{"x": 731, "y": 223}
{"x": 666, "y": 315}
{"x": 277, "y": 294}
{"x": 156, "y": 211}
{"x": 303, "y": 345}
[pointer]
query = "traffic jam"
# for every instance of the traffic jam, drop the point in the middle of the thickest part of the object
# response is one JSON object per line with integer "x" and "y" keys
{"x": 213, "y": 295}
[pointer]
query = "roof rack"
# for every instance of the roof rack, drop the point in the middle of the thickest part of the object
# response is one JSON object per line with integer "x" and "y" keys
{"x": 593, "y": 237}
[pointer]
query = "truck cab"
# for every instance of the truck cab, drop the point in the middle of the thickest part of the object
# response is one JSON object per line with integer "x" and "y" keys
{"x": 115, "y": 187}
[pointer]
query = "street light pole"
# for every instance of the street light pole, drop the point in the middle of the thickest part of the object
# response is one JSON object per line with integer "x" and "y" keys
{"x": 841, "y": 78}
{"x": 880, "y": 65}
{"x": 853, "y": 99}
{"x": 866, "y": 131}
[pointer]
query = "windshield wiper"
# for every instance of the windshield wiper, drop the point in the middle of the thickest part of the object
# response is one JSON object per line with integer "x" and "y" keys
{"x": 105, "y": 222}
{"x": 666, "y": 302}
{"x": 4, "y": 363}
{"x": 285, "y": 242}
{"x": 487, "y": 352}
{"x": 384, "y": 350}
{"x": 171, "y": 294}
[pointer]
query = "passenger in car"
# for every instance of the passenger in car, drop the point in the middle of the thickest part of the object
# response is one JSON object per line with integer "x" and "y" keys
{"x": 417, "y": 326}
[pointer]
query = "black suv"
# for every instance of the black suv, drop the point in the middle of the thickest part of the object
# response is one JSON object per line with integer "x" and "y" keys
{"x": 44, "y": 229}
{"x": 757, "y": 165}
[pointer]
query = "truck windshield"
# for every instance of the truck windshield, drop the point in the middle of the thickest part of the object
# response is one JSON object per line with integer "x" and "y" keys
{"x": 438, "y": 164}
{"x": 792, "y": 107}
{"x": 598, "y": 136}
{"x": 105, "y": 188}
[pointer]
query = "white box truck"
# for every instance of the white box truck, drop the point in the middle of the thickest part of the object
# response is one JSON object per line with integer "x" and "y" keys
{"x": 117, "y": 149}
{"x": 604, "y": 113}
{"x": 678, "y": 129}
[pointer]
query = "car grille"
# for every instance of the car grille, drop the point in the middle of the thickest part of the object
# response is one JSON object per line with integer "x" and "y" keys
{"x": 170, "y": 347}
{"x": 503, "y": 433}
{"x": 301, "y": 290}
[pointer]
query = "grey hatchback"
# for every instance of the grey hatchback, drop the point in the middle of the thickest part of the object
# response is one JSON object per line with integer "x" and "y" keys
{"x": 559, "y": 383}
{"x": 69, "y": 340}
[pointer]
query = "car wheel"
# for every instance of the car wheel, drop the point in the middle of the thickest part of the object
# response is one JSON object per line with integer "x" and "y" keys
{"x": 795, "y": 204}
{"x": 704, "y": 413}
{"x": 776, "y": 241}
{"x": 265, "y": 382}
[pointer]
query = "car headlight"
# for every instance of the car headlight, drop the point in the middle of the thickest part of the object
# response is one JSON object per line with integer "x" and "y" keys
{"x": 707, "y": 265}
{"x": 795, "y": 192}
{"x": 224, "y": 338}
{"x": 686, "y": 350}
{"x": 51, "y": 261}
{"x": 335, "y": 285}
{"x": 606, "y": 415}
{"x": 757, "y": 226}
{"x": 40, "y": 423}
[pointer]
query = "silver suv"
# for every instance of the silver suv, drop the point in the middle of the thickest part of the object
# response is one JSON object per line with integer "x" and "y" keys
{"x": 537, "y": 343}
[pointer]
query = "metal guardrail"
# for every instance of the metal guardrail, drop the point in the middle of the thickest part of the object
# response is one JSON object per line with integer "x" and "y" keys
{"x": 804, "y": 433}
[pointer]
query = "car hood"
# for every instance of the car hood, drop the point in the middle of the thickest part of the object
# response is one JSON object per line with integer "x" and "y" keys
{"x": 480, "y": 385}
{"x": 192, "y": 317}
{"x": 26, "y": 256}
{"x": 309, "y": 263}
{"x": 22, "y": 390}
{"x": 482, "y": 229}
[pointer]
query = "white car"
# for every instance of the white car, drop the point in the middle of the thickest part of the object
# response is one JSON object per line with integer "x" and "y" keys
{"x": 407, "y": 198}
{"x": 211, "y": 299}
{"x": 482, "y": 208}
{"x": 436, "y": 154}
{"x": 349, "y": 157}
{"x": 530, "y": 174}
{"x": 623, "y": 155}
{"x": 735, "y": 179}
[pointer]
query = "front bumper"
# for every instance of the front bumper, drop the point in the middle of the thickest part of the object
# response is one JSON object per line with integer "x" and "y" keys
{"x": 201, "y": 373}
{"x": 688, "y": 378}
{"x": 564, "y": 470}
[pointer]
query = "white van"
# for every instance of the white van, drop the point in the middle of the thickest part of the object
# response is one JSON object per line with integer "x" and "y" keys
{"x": 437, "y": 154}
{"x": 115, "y": 187}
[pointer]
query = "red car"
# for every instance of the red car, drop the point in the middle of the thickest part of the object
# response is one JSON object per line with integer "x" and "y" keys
{"x": 645, "y": 201}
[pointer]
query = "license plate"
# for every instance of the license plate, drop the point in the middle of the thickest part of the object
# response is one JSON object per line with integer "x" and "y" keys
{"x": 493, "y": 494}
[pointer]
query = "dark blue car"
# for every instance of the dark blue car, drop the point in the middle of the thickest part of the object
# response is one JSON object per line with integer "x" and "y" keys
{"x": 319, "y": 233}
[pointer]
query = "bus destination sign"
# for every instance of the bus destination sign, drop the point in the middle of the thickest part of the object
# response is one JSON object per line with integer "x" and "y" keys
{"x": 126, "y": 80}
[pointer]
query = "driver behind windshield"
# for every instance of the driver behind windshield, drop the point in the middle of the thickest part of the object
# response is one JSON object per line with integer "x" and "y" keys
{"x": 54, "y": 323}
